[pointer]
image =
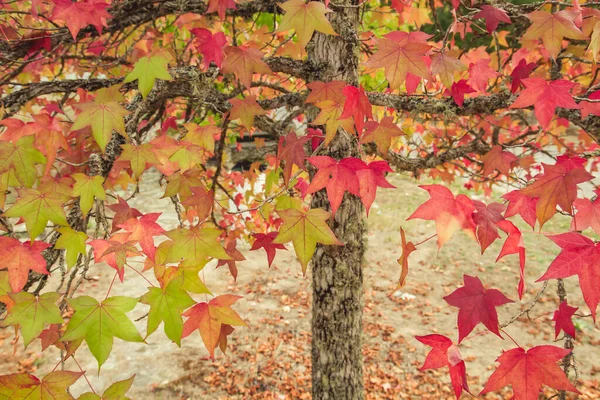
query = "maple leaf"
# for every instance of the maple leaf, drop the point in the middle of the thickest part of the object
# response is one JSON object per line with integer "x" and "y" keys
{"x": 521, "y": 71}
{"x": 514, "y": 245}
{"x": 210, "y": 45}
{"x": 498, "y": 159}
{"x": 476, "y": 305}
{"x": 407, "y": 249}
{"x": 588, "y": 107}
{"x": 53, "y": 386}
{"x": 552, "y": 28}
{"x": 370, "y": 177}
{"x": 588, "y": 214}
{"x": 291, "y": 150}
{"x": 382, "y": 133}
{"x": 527, "y": 371}
{"x": 235, "y": 256}
{"x": 147, "y": 70}
{"x": 208, "y": 318}
{"x": 557, "y": 186}
{"x": 446, "y": 66}
{"x": 31, "y": 313}
{"x": 123, "y": 212}
{"x": 305, "y": 19}
{"x": 449, "y": 213}
{"x": 203, "y": 136}
{"x": 458, "y": 91}
{"x": 493, "y": 16}
{"x": 330, "y": 116}
{"x": 336, "y": 176}
{"x": 243, "y": 62}
{"x": 401, "y": 53}
{"x": 245, "y": 109}
{"x": 445, "y": 353}
{"x": 143, "y": 229}
{"x": 324, "y": 91}
{"x": 99, "y": 323}
{"x": 196, "y": 243}
{"x": 200, "y": 202}
{"x": 545, "y": 97}
{"x": 20, "y": 159}
{"x": 579, "y": 256}
{"x": 116, "y": 391}
{"x": 525, "y": 206}
{"x": 166, "y": 305}
{"x": 104, "y": 115}
{"x": 562, "y": 318}
{"x": 73, "y": 242}
{"x": 265, "y": 241}
{"x": 480, "y": 73}
{"x": 139, "y": 157}
{"x": 19, "y": 258}
{"x": 80, "y": 14}
{"x": 221, "y": 7}
{"x": 305, "y": 229}
{"x": 87, "y": 188}
{"x": 108, "y": 250}
{"x": 486, "y": 218}
{"x": 357, "y": 105}
{"x": 37, "y": 208}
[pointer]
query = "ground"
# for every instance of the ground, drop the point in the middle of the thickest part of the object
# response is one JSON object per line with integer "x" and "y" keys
{"x": 270, "y": 359}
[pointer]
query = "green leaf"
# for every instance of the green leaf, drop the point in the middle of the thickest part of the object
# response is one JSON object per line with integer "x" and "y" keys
{"x": 104, "y": 115}
{"x": 166, "y": 305}
{"x": 37, "y": 208}
{"x": 147, "y": 70}
{"x": 99, "y": 323}
{"x": 73, "y": 242}
{"x": 21, "y": 159}
{"x": 195, "y": 243}
{"x": 32, "y": 313}
{"x": 88, "y": 187}
{"x": 5, "y": 289}
{"x": 116, "y": 391}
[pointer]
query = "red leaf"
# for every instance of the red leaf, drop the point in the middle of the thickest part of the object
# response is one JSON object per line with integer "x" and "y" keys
{"x": 477, "y": 305}
{"x": 211, "y": 46}
{"x": 143, "y": 230}
{"x": 521, "y": 71}
{"x": 370, "y": 178}
{"x": 221, "y": 7}
{"x": 445, "y": 353}
{"x": 563, "y": 320}
{"x": 527, "y": 371}
{"x": 80, "y": 14}
{"x": 458, "y": 91}
{"x": 498, "y": 159}
{"x": 486, "y": 219}
{"x": 493, "y": 16}
{"x": 122, "y": 213}
{"x": 545, "y": 96}
{"x": 265, "y": 241}
{"x": 291, "y": 151}
{"x": 235, "y": 255}
{"x": 588, "y": 107}
{"x": 588, "y": 214}
{"x": 518, "y": 203}
{"x": 357, "y": 105}
{"x": 449, "y": 213}
{"x": 480, "y": 73}
{"x": 579, "y": 256}
{"x": 557, "y": 186}
{"x": 19, "y": 258}
{"x": 514, "y": 245}
{"x": 336, "y": 176}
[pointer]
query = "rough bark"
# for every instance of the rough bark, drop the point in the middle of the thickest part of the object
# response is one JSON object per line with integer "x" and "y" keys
{"x": 337, "y": 270}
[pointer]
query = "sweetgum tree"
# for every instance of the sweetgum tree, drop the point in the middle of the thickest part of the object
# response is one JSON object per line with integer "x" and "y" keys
{"x": 95, "y": 93}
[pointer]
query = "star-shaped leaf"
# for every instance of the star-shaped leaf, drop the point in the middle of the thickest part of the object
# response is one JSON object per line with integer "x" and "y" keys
{"x": 562, "y": 319}
{"x": 147, "y": 70}
{"x": 244, "y": 61}
{"x": 552, "y": 29}
{"x": 20, "y": 159}
{"x": 53, "y": 386}
{"x": 88, "y": 188}
{"x": 32, "y": 313}
{"x": 245, "y": 109}
{"x": 265, "y": 241}
{"x": 305, "y": 229}
{"x": 305, "y": 19}
{"x": 99, "y": 323}
{"x": 19, "y": 258}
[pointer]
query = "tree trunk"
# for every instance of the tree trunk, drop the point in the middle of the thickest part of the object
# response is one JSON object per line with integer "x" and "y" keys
{"x": 337, "y": 270}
